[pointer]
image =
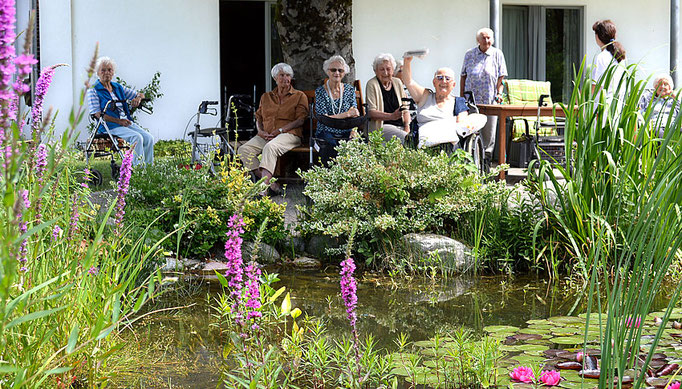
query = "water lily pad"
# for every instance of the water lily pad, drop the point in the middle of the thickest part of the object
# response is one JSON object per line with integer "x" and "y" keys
{"x": 532, "y": 348}
{"x": 498, "y": 329}
{"x": 429, "y": 378}
{"x": 564, "y": 331}
{"x": 565, "y": 320}
{"x": 424, "y": 343}
{"x": 537, "y": 321}
{"x": 534, "y": 331}
{"x": 568, "y": 340}
{"x": 406, "y": 371}
{"x": 432, "y": 352}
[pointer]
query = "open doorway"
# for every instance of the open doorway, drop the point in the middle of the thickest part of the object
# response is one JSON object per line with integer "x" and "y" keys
{"x": 543, "y": 43}
{"x": 249, "y": 47}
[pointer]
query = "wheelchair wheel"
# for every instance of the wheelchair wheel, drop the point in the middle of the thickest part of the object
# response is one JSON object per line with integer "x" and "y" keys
{"x": 94, "y": 179}
{"x": 473, "y": 145}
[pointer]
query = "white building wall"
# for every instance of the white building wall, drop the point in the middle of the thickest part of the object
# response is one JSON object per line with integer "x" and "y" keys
{"x": 448, "y": 29}
{"x": 176, "y": 37}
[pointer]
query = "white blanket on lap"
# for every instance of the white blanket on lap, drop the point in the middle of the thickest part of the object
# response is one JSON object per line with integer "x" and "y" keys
{"x": 449, "y": 130}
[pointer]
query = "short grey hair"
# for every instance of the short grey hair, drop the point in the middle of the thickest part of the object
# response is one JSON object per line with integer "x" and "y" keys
{"x": 383, "y": 57}
{"x": 664, "y": 76}
{"x": 485, "y": 29}
{"x": 282, "y": 67}
{"x": 335, "y": 58}
{"x": 101, "y": 61}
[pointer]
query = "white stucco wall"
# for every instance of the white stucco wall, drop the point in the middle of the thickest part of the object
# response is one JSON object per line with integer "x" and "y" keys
{"x": 447, "y": 28}
{"x": 176, "y": 37}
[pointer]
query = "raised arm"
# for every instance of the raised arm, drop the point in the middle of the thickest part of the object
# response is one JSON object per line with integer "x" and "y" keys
{"x": 417, "y": 91}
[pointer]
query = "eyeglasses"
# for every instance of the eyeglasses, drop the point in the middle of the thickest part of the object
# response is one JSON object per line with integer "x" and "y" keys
{"x": 441, "y": 77}
{"x": 335, "y": 70}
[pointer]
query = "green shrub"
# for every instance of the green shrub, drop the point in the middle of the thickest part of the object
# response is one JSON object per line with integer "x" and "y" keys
{"x": 172, "y": 148}
{"x": 389, "y": 190}
{"x": 199, "y": 205}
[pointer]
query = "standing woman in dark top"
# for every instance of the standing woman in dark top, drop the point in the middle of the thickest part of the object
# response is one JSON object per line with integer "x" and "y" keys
{"x": 336, "y": 100}
{"x": 385, "y": 95}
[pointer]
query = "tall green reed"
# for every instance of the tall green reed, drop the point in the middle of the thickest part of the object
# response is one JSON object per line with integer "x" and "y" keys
{"x": 616, "y": 212}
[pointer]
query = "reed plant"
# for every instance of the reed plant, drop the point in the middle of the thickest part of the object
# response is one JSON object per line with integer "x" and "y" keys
{"x": 68, "y": 285}
{"x": 616, "y": 212}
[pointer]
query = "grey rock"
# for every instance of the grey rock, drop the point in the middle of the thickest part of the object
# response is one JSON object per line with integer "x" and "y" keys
{"x": 306, "y": 263}
{"x": 266, "y": 254}
{"x": 294, "y": 243}
{"x": 452, "y": 253}
{"x": 174, "y": 264}
{"x": 317, "y": 245}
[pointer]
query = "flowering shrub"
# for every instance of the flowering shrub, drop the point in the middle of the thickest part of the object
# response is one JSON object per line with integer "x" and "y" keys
{"x": 390, "y": 190}
{"x": 200, "y": 205}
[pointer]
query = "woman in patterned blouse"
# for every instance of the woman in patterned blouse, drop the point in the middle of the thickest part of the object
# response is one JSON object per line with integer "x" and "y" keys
{"x": 334, "y": 99}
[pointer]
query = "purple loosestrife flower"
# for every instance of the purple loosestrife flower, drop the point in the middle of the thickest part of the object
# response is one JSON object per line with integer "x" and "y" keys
{"x": 42, "y": 85}
{"x": 24, "y": 64}
{"x": 40, "y": 164}
{"x": 349, "y": 289}
{"x": 233, "y": 255}
{"x": 7, "y": 54}
{"x": 93, "y": 271}
{"x": 75, "y": 217}
{"x": 253, "y": 291}
{"x": 23, "y": 227}
{"x": 56, "y": 232}
{"x": 123, "y": 184}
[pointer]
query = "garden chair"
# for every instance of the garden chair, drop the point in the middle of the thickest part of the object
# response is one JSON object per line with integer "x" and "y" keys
{"x": 531, "y": 136}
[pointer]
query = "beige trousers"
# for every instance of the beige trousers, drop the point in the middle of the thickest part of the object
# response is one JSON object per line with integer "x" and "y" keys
{"x": 271, "y": 150}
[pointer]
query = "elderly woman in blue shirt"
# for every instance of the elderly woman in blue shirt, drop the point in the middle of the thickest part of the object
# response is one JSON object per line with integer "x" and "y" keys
{"x": 483, "y": 72}
{"x": 336, "y": 100}
{"x": 663, "y": 102}
{"x": 117, "y": 115}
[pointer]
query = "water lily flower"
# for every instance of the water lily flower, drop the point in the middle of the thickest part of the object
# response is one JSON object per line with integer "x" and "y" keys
{"x": 522, "y": 374}
{"x": 629, "y": 322}
{"x": 550, "y": 377}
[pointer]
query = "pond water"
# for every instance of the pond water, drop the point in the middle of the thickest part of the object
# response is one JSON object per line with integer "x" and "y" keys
{"x": 178, "y": 348}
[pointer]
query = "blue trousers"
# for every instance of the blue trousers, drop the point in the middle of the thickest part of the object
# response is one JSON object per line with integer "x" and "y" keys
{"x": 142, "y": 141}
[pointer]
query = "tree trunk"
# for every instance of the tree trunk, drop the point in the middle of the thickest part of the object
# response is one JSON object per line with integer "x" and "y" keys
{"x": 312, "y": 31}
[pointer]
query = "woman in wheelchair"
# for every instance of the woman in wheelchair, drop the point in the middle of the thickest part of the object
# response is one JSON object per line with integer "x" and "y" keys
{"x": 335, "y": 99}
{"x": 117, "y": 116}
{"x": 439, "y": 113}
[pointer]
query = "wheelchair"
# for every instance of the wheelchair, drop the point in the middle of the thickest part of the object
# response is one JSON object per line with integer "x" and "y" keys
{"x": 102, "y": 143}
{"x": 210, "y": 145}
{"x": 470, "y": 140}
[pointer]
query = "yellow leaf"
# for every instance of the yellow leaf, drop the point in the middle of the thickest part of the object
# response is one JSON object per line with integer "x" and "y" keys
{"x": 286, "y": 305}
{"x": 277, "y": 294}
{"x": 296, "y": 313}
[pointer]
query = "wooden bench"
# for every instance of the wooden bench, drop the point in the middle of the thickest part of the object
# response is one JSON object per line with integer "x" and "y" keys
{"x": 299, "y": 157}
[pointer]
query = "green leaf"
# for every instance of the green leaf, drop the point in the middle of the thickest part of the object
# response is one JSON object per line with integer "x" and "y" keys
{"x": 73, "y": 338}
{"x": 277, "y": 294}
{"x": 222, "y": 280}
{"x": 32, "y": 316}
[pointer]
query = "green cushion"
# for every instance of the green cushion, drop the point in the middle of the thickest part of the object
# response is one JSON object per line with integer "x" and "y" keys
{"x": 519, "y": 126}
{"x": 527, "y": 91}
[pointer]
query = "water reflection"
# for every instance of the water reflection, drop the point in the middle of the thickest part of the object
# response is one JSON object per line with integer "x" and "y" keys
{"x": 179, "y": 349}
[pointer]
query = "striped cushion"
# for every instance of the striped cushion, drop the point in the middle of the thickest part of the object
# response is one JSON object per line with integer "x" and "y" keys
{"x": 528, "y": 92}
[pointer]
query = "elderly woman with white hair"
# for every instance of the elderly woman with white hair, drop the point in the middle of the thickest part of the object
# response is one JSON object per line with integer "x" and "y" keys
{"x": 335, "y": 99}
{"x": 384, "y": 95}
{"x": 662, "y": 100}
{"x": 279, "y": 121}
{"x": 117, "y": 115}
{"x": 439, "y": 112}
{"x": 483, "y": 73}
